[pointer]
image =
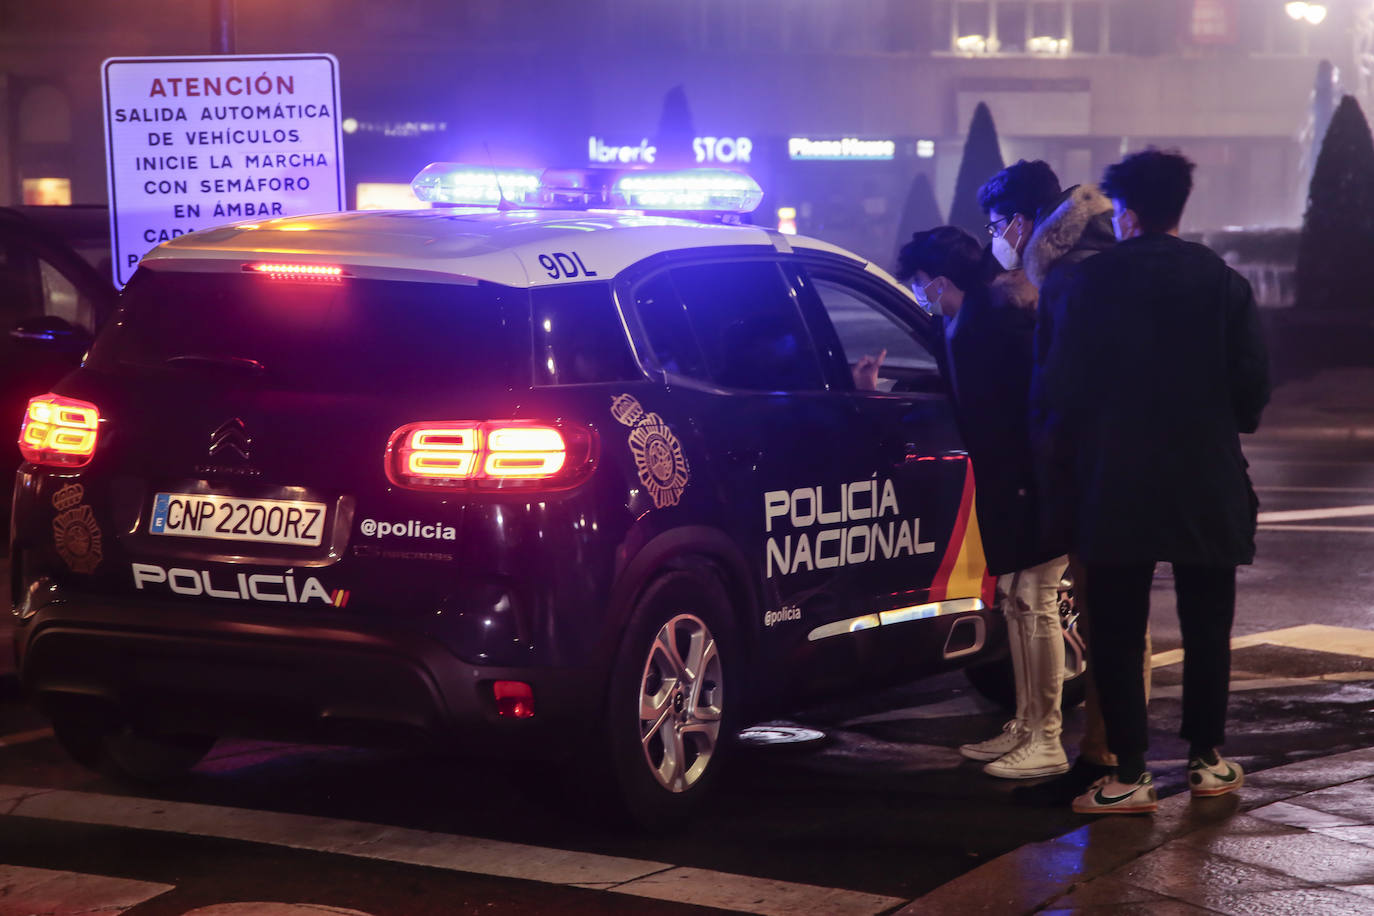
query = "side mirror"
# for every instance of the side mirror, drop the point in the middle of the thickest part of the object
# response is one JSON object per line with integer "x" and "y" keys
{"x": 51, "y": 332}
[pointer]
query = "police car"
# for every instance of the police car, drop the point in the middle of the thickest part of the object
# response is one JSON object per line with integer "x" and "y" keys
{"x": 568, "y": 477}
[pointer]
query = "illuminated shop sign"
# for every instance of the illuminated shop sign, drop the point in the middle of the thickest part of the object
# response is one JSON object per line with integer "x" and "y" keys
{"x": 727, "y": 150}
{"x": 848, "y": 148}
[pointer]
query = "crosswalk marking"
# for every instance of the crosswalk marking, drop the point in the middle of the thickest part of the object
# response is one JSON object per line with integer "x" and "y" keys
{"x": 1339, "y": 529}
{"x": 45, "y": 892}
{"x": 38, "y": 734}
{"x": 473, "y": 855}
{"x": 1311, "y": 515}
{"x": 1316, "y": 637}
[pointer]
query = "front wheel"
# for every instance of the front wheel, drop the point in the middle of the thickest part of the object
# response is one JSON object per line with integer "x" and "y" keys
{"x": 673, "y": 702}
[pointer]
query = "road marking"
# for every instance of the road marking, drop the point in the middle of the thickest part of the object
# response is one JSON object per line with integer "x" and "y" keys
{"x": 1315, "y": 637}
{"x": 1278, "y": 489}
{"x": 473, "y": 855}
{"x": 265, "y": 908}
{"x": 38, "y": 734}
{"x": 1340, "y": 529}
{"x": 44, "y": 892}
{"x": 1312, "y": 515}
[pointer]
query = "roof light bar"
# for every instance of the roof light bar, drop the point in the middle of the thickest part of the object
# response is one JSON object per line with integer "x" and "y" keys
{"x": 687, "y": 190}
{"x": 473, "y": 185}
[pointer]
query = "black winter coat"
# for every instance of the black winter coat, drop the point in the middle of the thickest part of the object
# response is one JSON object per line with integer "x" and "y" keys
{"x": 1156, "y": 363}
{"x": 991, "y": 352}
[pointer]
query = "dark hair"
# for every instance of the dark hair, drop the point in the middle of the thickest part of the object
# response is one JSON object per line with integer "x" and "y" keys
{"x": 945, "y": 251}
{"x": 1025, "y": 187}
{"x": 1155, "y": 184}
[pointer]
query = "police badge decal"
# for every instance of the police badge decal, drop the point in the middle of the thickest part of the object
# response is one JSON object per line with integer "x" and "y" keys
{"x": 657, "y": 452}
{"x": 74, "y": 530}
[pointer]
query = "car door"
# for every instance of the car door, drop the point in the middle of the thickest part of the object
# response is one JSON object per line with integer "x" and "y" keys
{"x": 925, "y": 553}
{"x": 728, "y": 336}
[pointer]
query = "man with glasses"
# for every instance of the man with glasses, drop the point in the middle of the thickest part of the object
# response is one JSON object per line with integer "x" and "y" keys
{"x": 1052, "y": 232}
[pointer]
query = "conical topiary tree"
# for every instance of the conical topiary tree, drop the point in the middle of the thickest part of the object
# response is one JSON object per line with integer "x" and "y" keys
{"x": 982, "y": 159}
{"x": 675, "y": 131}
{"x": 920, "y": 212}
{"x": 1335, "y": 269}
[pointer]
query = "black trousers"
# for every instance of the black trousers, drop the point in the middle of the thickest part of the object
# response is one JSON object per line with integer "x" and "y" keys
{"x": 1118, "y": 608}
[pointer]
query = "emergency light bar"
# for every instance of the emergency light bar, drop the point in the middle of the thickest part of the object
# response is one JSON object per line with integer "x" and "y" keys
{"x": 686, "y": 190}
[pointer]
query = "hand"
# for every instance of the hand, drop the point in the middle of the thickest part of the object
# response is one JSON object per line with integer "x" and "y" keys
{"x": 866, "y": 371}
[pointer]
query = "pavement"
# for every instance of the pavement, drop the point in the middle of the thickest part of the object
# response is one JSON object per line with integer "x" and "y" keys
{"x": 1331, "y": 405}
{"x": 1294, "y": 839}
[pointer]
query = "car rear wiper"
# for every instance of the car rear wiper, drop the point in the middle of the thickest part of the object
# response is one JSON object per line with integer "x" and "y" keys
{"x": 199, "y": 360}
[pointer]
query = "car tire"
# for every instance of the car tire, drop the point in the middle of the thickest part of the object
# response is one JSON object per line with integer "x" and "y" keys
{"x": 675, "y": 693}
{"x": 128, "y": 755}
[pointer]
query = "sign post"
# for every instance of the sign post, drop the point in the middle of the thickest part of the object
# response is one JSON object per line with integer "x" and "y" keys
{"x": 195, "y": 142}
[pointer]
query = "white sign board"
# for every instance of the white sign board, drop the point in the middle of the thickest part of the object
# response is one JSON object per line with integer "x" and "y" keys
{"x": 194, "y": 142}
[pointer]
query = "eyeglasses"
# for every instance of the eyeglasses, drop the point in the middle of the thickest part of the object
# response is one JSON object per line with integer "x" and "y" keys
{"x": 992, "y": 226}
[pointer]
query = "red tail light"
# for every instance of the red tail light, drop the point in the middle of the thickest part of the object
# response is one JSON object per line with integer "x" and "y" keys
{"x": 279, "y": 271}
{"x": 59, "y": 431}
{"x": 514, "y": 699}
{"x": 491, "y": 454}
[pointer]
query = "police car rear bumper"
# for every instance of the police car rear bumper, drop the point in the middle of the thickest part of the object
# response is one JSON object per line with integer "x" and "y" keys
{"x": 160, "y": 668}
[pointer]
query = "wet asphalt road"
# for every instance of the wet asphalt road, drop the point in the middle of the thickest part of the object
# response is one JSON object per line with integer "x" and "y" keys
{"x": 883, "y": 805}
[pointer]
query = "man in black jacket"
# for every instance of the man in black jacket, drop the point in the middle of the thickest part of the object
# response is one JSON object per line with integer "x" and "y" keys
{"x": 1157, "y": 362}
{"x": 989, "y": 329}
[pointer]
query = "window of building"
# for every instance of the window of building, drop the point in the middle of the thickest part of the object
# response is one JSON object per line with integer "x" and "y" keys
{"x": 1089, "y": 23}
{"x": 1012, "y": 20}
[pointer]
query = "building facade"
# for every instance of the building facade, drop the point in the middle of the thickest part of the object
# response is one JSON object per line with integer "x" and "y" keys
{"x": 837, "y": 106}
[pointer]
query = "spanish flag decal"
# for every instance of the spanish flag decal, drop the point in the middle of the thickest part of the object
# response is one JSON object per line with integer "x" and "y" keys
{"x": 964, "y": 570}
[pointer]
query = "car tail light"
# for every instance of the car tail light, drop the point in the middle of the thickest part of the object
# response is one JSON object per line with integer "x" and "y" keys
{"x": 280, "y": 271}
{"x": 59, "y": 431}
{"x": 490, "y": 454}
{"x": 514, "y": 699}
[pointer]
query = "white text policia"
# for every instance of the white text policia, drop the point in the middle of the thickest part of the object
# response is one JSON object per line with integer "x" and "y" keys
{"x": 806, "y": 507}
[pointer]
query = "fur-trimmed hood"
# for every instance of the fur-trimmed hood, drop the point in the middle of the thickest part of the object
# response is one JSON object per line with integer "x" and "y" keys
{"x": 1078, "y": 225}
{"x": 1011, "y": 288}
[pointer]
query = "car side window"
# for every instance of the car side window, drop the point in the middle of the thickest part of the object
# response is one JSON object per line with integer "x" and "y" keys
{"x": 747, "y": 326}
{"x": 578, "y": 336}
{"x": 61, "y": 299}
{"x": 669, "y": 334}
{"x": 866, "y": 326}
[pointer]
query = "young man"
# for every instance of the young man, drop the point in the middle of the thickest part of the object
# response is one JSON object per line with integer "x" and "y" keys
{"x": 989, "y": 333}
{"x": 1157, "y": 363}
{"x": 1066, "y": 228}
{"x": 1013, "y": 199}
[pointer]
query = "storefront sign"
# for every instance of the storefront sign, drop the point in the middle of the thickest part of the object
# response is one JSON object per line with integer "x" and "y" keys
{"x": 195, "y": 142}
{"x": 718, "y": 150}
{"x": 801, "y": 148}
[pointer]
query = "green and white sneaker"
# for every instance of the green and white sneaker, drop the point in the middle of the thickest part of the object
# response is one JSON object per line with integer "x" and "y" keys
{"x": 1107, "y": 796}
{"x": 1207, "y": 780}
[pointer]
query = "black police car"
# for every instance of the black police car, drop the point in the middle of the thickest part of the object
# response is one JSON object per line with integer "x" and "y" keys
{"x": 506, "y": 480}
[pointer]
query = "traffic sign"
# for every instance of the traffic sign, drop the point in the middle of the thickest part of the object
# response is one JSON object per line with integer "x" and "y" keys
{"x": 195, "y": 142}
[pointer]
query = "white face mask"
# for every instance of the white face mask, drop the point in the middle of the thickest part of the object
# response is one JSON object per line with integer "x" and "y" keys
{"x": 922, "y": 299}
{"x": 1005, "y": 253}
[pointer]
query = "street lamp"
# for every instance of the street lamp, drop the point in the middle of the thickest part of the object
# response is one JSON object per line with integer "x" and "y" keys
{"x": 1300, "y": 10}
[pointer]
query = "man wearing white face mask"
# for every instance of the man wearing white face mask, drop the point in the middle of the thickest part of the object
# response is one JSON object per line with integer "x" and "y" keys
{"x": 1013, "y": 199}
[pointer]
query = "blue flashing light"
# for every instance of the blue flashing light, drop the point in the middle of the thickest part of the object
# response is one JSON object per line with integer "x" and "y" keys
{"x": 717, "y": 190}
{"x": 687, "y": 190}
{"x": 474, "y": 185}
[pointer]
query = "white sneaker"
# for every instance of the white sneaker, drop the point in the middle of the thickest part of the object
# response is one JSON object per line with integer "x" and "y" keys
{"x": 1014, "y": 734}
{"x": 1039, "y": 756}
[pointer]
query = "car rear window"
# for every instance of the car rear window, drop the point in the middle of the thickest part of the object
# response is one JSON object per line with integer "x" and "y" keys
{"x": 351, "y": 335}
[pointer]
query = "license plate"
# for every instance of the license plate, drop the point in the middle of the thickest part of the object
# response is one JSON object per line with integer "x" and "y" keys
{"x": 228, "y": 518}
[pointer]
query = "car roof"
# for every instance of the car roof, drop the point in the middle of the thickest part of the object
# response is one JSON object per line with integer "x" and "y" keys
{"x": 464, "y": 243}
